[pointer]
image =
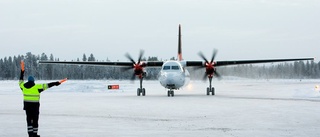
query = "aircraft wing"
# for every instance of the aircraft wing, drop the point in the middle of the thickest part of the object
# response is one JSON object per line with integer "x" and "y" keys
{"x": 93, "y": 63}
{"x": 238, "y": 62}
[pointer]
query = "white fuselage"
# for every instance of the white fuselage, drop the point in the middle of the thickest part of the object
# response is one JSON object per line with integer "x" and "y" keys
{"x": 173, "y": 75}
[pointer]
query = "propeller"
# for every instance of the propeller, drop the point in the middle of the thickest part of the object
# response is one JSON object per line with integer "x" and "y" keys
{"x": 210, "y": 66}
{"x": 137, "y": 66}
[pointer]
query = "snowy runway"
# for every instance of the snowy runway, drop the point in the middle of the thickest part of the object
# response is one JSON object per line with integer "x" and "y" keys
{"x": 240, "y": 108}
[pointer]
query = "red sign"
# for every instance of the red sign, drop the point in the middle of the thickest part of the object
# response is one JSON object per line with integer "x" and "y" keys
{"x": 113, "y": 86}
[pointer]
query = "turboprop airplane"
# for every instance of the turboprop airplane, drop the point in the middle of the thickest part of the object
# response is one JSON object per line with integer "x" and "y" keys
{"x": 173, "y": 74}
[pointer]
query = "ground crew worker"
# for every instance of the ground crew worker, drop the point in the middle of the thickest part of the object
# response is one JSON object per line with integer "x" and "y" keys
{"x": 31, "y": 97}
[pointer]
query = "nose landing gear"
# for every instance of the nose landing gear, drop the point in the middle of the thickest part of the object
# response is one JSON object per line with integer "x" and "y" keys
{"x": 210, "y": 89}
{"x": 170, "y": 93}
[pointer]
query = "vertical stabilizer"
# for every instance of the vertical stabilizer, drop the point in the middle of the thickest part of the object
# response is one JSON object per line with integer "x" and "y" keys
{"x": 179, "y": 45}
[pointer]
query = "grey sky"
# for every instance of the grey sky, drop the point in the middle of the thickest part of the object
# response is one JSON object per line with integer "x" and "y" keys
{"x": 239, "y": 29}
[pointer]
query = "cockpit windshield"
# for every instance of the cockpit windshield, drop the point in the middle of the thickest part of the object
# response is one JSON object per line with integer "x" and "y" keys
{"x": 171, "y": 67}
{"x": 175, "y": 67}
{"x": 166, "y": 67}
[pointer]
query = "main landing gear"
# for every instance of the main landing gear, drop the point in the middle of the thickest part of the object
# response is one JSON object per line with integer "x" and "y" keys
{"x": 141, "y": 91}
{"x": 170, "y": 93}
{"x": 210, "y": 89}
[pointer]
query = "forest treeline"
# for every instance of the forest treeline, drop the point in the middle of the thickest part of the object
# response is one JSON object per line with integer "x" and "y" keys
{"x": 10, "y": 69}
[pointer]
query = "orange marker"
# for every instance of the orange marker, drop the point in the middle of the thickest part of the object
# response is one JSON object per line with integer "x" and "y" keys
{"x": 63, "y": 80}
{"x": 22, "y": 65}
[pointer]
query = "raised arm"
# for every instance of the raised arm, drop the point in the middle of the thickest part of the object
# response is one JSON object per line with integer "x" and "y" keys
{"x": 21, "y": 73}
{"x": 57, "y": 83}
{"x": 43, "y": 87}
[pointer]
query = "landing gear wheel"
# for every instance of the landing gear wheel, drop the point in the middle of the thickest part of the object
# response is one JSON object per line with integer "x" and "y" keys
{"x": 143, "y": 91}
{"x": 210, "y": 90}
{"x": 170, "y": 93}
{"x": 138, "y": 92}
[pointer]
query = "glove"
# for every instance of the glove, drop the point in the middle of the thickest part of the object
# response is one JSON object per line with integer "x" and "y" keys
{"x": 22, "y": 65}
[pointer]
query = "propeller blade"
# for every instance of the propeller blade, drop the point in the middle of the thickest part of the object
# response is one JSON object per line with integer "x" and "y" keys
{"x": 130, "y": 58}
{"x": 198, "y": 67}
{"x": 217, "y": 75}
{"x": 204, "y": 78}
{"x": 203, "y": 57}
{"x": 213, "y": 55}
{"x": 140, "y": 56}
{"x": 133, "y": 77}
{"x": 125, "y": 68}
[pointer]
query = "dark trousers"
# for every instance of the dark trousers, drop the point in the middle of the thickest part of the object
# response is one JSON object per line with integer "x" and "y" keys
{"x": 32, "y": 113}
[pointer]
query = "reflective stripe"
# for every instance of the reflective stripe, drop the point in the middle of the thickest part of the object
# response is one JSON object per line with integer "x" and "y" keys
{"x": 31, "y": 100}
{"x": 30, "y": 95}
{"x": 35, "y": 130}
{"x": 45, "y": 86}
{"x": 30, "y": 129}
{"x": 20, "y": 83}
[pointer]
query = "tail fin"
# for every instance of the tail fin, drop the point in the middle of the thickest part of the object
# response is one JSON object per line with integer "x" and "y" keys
{"x": 179, "y": 45}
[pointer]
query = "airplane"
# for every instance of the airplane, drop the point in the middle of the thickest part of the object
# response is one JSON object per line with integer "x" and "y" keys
{"x": 173, "y": 74}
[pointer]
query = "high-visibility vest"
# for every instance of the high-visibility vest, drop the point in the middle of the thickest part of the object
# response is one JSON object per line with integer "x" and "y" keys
{"x": 32, "y": 94}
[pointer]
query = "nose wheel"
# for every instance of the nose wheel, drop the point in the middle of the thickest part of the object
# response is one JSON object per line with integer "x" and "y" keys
{"x": 170, "y": 93}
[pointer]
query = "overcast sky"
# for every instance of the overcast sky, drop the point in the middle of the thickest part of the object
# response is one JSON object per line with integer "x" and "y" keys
{"x": 239, "y": 29}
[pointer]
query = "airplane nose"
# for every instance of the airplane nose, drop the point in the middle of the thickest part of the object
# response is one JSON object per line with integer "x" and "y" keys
{"x": 173, "y": 78}
{"x": 170, "y": 78}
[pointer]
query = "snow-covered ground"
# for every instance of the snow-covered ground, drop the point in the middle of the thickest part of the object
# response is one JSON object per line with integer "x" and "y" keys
{"x": 240, "y": 108}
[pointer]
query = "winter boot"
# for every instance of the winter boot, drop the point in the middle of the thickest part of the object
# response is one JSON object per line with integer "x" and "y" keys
{"x": 30, "y": 131}
{"x": 35, "y": 135}
{"x": 30, "y": 134}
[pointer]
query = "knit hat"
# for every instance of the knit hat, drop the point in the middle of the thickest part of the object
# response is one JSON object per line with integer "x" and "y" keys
{"x": 30, "y": 78}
